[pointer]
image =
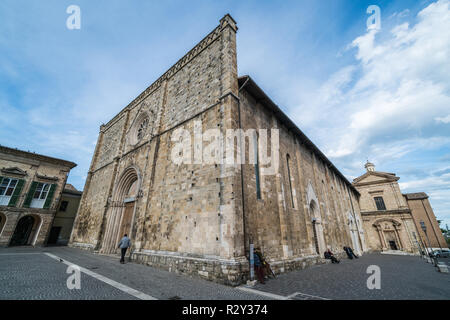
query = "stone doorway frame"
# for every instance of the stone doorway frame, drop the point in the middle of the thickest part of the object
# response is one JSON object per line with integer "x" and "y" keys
{"x": 116, "y": 209}
{"x": 380, "y": 227}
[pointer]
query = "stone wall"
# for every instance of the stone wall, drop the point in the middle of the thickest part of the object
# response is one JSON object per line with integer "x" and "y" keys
{"x": 421, "y": 210}
{"x": 281, "y": 222}
{"x": 179, "y": 208}
{"x": 390, "y": 191}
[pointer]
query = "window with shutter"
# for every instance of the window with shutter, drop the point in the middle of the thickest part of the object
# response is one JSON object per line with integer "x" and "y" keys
{"x": 7, "y": 187}
{"x": 42, "y": 196}
{"x": 49, "y": 198}
{"x": 30, "y": 194}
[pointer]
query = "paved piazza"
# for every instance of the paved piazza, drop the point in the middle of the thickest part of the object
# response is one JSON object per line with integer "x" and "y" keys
{"x": 40, "y": 273}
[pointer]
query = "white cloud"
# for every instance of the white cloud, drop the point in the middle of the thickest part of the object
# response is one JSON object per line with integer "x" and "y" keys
{"x": 443, "y": 119}
{"x": 385, "y": 105}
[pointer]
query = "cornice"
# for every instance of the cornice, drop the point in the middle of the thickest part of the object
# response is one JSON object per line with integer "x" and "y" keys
{"x": 385, "y": 212}
{"x": 36, "y": 157}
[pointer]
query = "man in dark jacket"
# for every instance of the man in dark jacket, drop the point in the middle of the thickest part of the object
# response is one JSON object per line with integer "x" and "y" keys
{"x": 352, "y": 253}
{"x": 258, "y": 267}
{"x": 124, "y": 244}
{"x": 349, "y": 255}
{"x": 329, "y": 255}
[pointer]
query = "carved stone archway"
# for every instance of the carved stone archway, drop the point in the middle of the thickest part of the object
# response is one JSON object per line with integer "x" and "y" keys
{"x": 389, "y": 231}
{"x": 122, "y": 209}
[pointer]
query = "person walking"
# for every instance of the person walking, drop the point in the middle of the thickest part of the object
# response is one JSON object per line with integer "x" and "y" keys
{"x": 124, "y": 244}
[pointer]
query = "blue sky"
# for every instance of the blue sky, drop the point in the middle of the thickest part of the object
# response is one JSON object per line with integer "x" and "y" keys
{"x": 358, "y": 94}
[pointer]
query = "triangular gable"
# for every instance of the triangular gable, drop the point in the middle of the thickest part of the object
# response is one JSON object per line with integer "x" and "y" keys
{"x": 14, "y": 170}
{"x": 375, "y": 177}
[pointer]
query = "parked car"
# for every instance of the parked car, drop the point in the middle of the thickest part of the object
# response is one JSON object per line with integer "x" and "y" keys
{"x": 440, "y": 253}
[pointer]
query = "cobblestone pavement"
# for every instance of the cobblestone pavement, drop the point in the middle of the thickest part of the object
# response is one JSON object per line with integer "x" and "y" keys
{"x": 402, "y": 277}
{"x": 28, "y": 273}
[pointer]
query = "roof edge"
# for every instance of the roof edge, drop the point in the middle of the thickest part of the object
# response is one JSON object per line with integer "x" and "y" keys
{"x": 28, "y": 154}
{"x": 247, "y": 80}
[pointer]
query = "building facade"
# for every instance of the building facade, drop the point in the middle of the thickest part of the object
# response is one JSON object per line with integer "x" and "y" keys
{"x": 392, "y": 219}
{"x": 422, "y": 212}
{"x": 65, "y": 216}
{"x": 199, "y": 216}
{"x": 30, "y": 191}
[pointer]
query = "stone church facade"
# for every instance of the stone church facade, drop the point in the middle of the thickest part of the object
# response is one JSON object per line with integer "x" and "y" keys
{"x": 200, "y": 218}
{"x": 392, "y": 219}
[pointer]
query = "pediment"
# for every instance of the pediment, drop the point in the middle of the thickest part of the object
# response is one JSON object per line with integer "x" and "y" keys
{"x": 44, "y": 177}
{"x": 374, "y": 177}
{"x": 14, "y": 171}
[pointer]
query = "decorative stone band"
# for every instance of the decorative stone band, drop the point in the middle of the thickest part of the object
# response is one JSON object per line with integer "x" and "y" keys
{"x": 14, "y": 171}
{"x": 46, "y": 178}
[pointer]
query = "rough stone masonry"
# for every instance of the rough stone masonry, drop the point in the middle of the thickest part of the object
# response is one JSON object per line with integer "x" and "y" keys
{"x": 200, "y": 218}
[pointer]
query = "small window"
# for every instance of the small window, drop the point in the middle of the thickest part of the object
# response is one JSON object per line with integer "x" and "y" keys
{"x": 288, "y": 158}
{"x": 256, "y": 155}
{"x": 142, "y": 128}
{"x": 380, "y": 204}
{"x": 63, "y": 206}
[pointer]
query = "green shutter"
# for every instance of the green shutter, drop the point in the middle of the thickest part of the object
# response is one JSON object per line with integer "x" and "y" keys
{"x": 1, "y": 179}
{"x": 16, "y": 193}
{"x": 30, "y": 194}
{"x": 49, "y": 199}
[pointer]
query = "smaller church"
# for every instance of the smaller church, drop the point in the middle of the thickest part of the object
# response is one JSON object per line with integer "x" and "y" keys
{"x": 392, "y": 220}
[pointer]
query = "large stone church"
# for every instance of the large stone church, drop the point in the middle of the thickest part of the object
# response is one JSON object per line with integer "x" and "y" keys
{"x": 199, "y": 216}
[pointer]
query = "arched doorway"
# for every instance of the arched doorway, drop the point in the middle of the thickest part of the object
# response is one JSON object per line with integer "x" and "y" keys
{"x": 26, "y": 230}
{"x": 121, "y": 211}
{"x": 389, "y": 234}
{"x": 354, "y": 233}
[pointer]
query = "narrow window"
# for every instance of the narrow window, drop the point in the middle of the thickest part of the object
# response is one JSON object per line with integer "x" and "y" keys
{"x": 380, "y": 204}
{"x": 256, "y": 155}
{"x": 63, "y": 206}
{"x": 289, "y": 178}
